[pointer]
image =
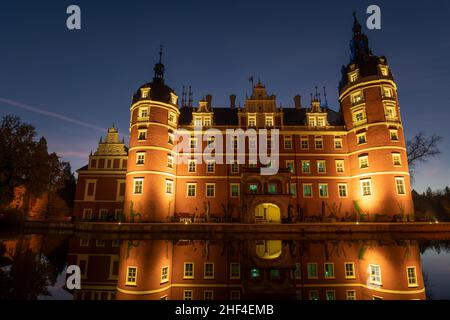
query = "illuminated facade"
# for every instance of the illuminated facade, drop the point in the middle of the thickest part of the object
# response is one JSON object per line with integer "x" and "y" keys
{"x": 334, "y": 166}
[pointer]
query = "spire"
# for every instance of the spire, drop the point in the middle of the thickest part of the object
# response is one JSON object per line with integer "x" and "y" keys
{"x": 359, "y": 45}
{"x": 159, "y": 67}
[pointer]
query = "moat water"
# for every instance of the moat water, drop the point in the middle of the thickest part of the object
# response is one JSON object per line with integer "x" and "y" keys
{"x": 340, "y": 267}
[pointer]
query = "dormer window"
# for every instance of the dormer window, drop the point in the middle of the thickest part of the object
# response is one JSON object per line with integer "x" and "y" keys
{"x": 145, "y": 93}
{"x": 384, "y": 70}
{"x": 353, "y": 76}
{"x": 198, "y": 121}
{"x": 251, "y": 120}
{"x": 312, "y": 121}
{"x": 320, "y": 122}
{"x": 269, "y": 120}
{"x": 173, "y": 98}
{"x": 207, "y": 121}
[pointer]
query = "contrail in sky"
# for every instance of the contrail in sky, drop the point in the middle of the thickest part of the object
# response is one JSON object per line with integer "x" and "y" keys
{"x": 51, "y": 114}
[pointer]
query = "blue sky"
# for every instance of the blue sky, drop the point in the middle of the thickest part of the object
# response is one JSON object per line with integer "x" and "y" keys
{"x": 214, "y": 46}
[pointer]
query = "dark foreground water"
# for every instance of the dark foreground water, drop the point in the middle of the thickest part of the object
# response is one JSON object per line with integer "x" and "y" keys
{"x": 340, "y": 267}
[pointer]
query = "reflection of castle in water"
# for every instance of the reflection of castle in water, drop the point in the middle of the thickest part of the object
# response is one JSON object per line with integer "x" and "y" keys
{"x": 248, "y": 269}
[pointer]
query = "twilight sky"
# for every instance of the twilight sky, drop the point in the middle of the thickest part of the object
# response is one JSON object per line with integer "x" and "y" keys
{"x": 71, "y": 84}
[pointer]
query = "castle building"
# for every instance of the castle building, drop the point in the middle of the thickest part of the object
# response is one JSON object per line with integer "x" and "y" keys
{"x": 341, "y": 165}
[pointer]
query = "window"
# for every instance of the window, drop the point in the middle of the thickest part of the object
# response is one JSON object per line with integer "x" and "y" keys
{"x": 144, "y": 92}
{"x": 339, "y": 166}
{"x": 390, "y": 113}
{"x": 210, "y": 190}
{"x": 366, "y": 187}
{"x": 210, "y": 166}
{"x": 142, "y": 134}
{"x": 353, "y": 76}
{"x": 191, "y": 190}
{"x": 140, "y": 158}
{"x": 387, "y": 92}
{"x": 138, "y": 186}
{"x": 361, "y": 138}
{"x": 143, "y": 112}
{"x": 272, "y": 188}
{"x": 313, "y": 295}
{"x": 349, "y": 270}
{"x": 312, "y": 270}
{"x": 188, "y": 270}
{"x": 207, "y": 121}
{"x": 290, "y": 165}
{"x": 209, "y": 271}
{"x": 319, "y": 143}
{"x": 384, "y": 71}
{"x": 84, "y": 242}
{"x": 396, "y": 159}
{"x": 394, "y": 135}
{"x": 363, "y": 161}
{"x": 89, "y": 192}
{"x": 193, "y": 143}
{"x": 287, "y": 142}
{"x": 192, "y": 166}
{"x": 208, "y": 295}
{"x": 304, "y": 143}
{"x": 338, "y": 143}
{"x": 235, "y": 167}
{"x": 164, "y": 274}
{"x": 323, "y": 190}
{"x": 306, "y": 166}
{"x": 251, "y": 120}
{"x": 169, "y": 186}
{"x": 103, "y": 214}
{"x": 307, "y": 190}
{"x": 375, "y": 274}
{"x": 351, "y": 294}
{"x": 357, "y": 98}
{"x": 329, "y": 270}
{"x": 359, "y": 116}
{"x": 342, "y": 188}
{"x": 321, "y": 166}
{"x": 170, "y": 161}
{"x": 235, "y": 270}
{"x": 320, "y": 122}
{"x": 235, "y": 295}
{"x": 235, "y": 142}
{"x": 87, "y": 214}
{"x": 131, "y": 276}
{"x": 118, "y": 214}
{"x": 198, "y": 121}
{"x": 269, "y": 120}
{"x": 171, "y": 138}
{"x": 255, "y": 273}
{"x": 171, "y": 118}
{"x": 253, "y": 188}
{"x": 235, "y": 190}
{"x": 297, "y": 271}
{"x": 400, "y": 185}
{"x": 330, "y": 294}
{"x": 412, "y": 276}
{"x": 293, "y": 189}
{"x": 187, "y": 295}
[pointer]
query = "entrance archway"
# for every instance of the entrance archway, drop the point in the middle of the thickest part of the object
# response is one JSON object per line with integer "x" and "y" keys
{"x": 267, "y": 213}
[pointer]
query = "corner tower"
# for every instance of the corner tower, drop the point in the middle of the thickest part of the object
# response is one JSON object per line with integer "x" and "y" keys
{"x": 151, "y": 168}
{"x": 377, "y": 151}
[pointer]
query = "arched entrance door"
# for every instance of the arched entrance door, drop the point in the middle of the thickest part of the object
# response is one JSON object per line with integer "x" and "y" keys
{"x": 267, "y": 213}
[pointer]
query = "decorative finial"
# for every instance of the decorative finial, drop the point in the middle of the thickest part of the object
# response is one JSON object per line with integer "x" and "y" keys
{"x": 325, "y": 96}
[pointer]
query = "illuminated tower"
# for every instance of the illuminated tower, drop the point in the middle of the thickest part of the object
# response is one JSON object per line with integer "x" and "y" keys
{"x": 150, "y": 182}
{"x": 377, "y": 155}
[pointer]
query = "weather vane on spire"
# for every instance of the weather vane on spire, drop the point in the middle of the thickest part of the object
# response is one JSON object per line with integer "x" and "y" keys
{"x": 160, "y": 53}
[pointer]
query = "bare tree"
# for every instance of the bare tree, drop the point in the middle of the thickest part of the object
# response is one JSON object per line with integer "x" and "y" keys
{"x": 421, "y": 148}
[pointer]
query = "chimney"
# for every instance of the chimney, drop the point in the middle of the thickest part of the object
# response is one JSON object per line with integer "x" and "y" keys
{"x": 208, "y": 101}
{"x": 232, "y": 101}
{"x": 298, "y": 102}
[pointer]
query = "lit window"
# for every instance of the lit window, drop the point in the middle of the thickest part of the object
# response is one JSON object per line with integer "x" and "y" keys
{"x": 290, "y": 165}
{"x": 288, "y": 142}
{"x": 188, "y": 270}
{"x": 170, "y": 161}
{"x": 307, "y": 190}
{"x": 319, "y": 143}
{"x": 235, "y": 190}
{"x": 357, "y": 97}
{"x": 198, "y": 121}
{"x": 192, "y": 166}
{"x": 140, "y": 158}
{"x": 255, "y": 273}
{"x": 144, "y": 92}
{"x": 164, "y": 274}
{"x": 210, "y": 190}
{"x": 103, "y": 214}
{"x": 312, "y": 121}
{"x": 84, "y": 242}
{"x": 320, "y": 121}
{"x": 390, "y": 113}
{"x": 338, "y": 143}
{"x": 375, "y": 274}
{"x": 251, "y": 120}
{"x": 351, "y": 294}
{"x": 269, "y": 120}
{"x": 191, "y": 189}
{"x": 396, "y": 159}
{"x": 187, "y": 295}
{"x": 306, "y": 166}
{"x": 209, "y": 271}
{"x": 359, "y": 117}
{"x": 342, "y": 188}
{"x": 210, "y": 166}
{"x": 313, "y": 295}
{"x": 349, "y": 270}
{"x": 235, "y": 271}
{"x": 329, "y": 270}
{"x": 330, "y": 294}
{"x": 361, "y": 138}
{"x": 387, "y": 92}
{"x": 353, "y": 76}
{"x": 366, "y": 187}
{"x": 304, "y": 143}
{"x": 323, "y": 190}
{"x": 293, "y": 189}
{"x": 143, "y": 112}
{"x": 394, "y": 135}
{"x": 363, "y": 161}
{"x": 272, "y": 188}
{"x": 339, "y": 166}
{"x": 171, "y": 118}
{"x": 142, "y": 134}
{"x": 169, "y": 186}
{"x": 235, "y": 167}
{"x": 193, "y": 143}
{"x": 170, "y": 138}
{"x": 312, "y": 270}
{"x": 207, "y": 121}
{"x": 131, "y": 276}
{"x": 100, "y": 243}
{"x": 208, "y": 295}
{"x": 138, "y": 186}
{"x": 321, "y": 168}
{"x": 87, "y": 214}
{"x": 400, "y": 185}
{"x": 412, "y": 276}
{"x": 253, "y": 188}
